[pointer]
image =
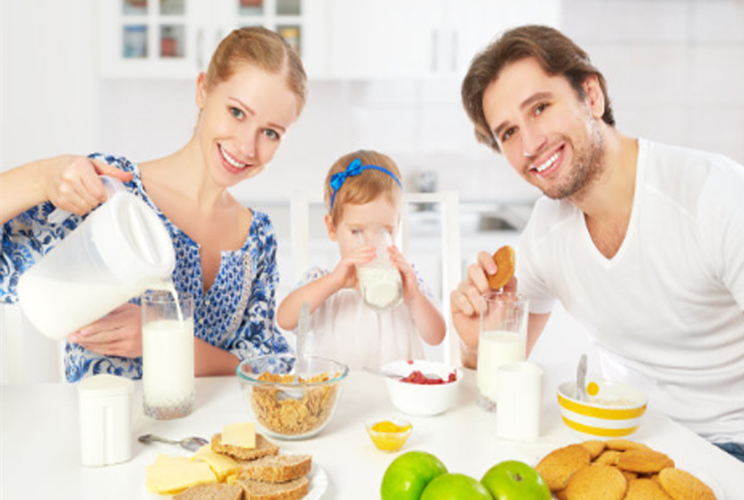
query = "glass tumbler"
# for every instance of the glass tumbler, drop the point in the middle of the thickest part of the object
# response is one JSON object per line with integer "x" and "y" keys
{"x": 379, "y": 280}
{"x": 167, "y": 354}
{"x": 502, "y": 340}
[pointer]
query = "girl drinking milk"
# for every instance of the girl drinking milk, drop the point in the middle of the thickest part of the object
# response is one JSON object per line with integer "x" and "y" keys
{"x": 363, "y": 195}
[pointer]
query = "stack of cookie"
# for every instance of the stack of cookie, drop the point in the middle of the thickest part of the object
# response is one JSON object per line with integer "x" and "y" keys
{"x": 618, "y": 469}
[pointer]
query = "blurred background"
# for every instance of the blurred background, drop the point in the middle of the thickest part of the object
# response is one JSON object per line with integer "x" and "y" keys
{"x": 118, "y": 76}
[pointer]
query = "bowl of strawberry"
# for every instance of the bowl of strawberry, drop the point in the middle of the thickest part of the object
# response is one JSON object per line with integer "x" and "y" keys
{"x": 425, "y": 388}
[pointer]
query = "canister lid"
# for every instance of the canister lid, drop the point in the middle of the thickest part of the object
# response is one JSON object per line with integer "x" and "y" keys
{"x": 104, "y": 385}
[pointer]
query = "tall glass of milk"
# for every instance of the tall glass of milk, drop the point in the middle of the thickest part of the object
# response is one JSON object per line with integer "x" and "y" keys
{"x": 379, "y": 280}
{"x": 503, "y": 339}
{"x": 167, "y": 354}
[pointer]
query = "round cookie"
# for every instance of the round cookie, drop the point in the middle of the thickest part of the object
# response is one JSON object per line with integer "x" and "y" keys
{"x": 594, "y": 447}
{"x": 644, "y": 461}
{"x": 597, "y": 482}
{"x": 625, "y": 444}
{"x": 681, "y": 485}
{"x": 645, "y": 489}
{"x": 559, "y": 465}
{"x": 505, "y": 264}
{"x": 608, "y": 457}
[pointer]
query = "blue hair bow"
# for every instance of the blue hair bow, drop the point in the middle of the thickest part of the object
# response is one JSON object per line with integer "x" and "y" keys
{"x": 355, "y": 168}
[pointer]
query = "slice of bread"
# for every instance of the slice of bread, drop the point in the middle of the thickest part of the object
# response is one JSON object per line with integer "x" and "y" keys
{"x": 263, "y": 448}
{"x": 259, "y": 490}
{"x": 276, "y": 469}
{"x": 212, "y": 491}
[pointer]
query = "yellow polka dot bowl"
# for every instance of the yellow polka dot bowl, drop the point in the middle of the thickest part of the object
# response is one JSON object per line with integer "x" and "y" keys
{"x": 612, "y": 409}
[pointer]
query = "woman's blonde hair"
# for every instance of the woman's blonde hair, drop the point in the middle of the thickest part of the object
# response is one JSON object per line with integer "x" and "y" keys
{"x": 264, "y": 49}
{"x": 369, "y": 185}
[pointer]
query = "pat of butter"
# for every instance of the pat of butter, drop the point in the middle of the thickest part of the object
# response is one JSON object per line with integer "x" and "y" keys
{"x": 221, "y": 465}
{"x": 170, "y": 475}
{"x": 242, "y": 435}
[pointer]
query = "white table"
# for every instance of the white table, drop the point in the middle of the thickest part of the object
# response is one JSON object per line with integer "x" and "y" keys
{"x": 41, "y": 455}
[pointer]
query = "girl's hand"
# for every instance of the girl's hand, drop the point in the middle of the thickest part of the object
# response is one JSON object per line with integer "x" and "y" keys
{"x": 407, "y": 274}
{"x": 119, "y": 333}
{"x": 345, "y": 272}
{"x": 73, "y": 183}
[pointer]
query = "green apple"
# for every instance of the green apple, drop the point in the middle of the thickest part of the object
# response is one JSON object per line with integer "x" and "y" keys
{"x": 453, "y": 486}
{"x": 515, "y": 480}
{"x": 407, "y": 476}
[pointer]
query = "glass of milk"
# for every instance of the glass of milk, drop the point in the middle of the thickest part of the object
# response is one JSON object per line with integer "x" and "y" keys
{"x": 167, "y": 354}
{"x": 503, "y": 340}
{"x": 379, "y": 280}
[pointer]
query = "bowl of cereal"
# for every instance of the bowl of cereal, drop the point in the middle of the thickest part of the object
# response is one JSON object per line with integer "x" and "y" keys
{"x": 612, "y": 409}
{"x": 286, "y": 404}
{"x": 422, "y": 388}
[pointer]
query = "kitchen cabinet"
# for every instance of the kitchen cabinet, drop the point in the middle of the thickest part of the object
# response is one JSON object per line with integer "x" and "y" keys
{"x": 419, "y": 38}
{"x": 172, "y": 39}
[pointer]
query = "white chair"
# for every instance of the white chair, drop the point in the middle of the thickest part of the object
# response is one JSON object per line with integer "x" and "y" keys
{"x": 444, "y": 221}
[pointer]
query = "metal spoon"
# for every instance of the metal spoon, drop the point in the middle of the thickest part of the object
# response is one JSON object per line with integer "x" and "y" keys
{"x": 394, "y": 376}
{"x": 189, "y": 443}
{"x": 303, "y": 325}
{"x": 581, "y": 379}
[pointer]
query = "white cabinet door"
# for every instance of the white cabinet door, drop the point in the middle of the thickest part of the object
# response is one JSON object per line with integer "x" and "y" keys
{"x": 381, "y": 38}
{"x": 473, "y": 24}
{"x": 418, "y": 38}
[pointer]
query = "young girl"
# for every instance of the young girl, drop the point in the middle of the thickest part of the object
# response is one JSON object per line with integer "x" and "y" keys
{"x": 252, "y": 92}
{"x": 362, "y": 194}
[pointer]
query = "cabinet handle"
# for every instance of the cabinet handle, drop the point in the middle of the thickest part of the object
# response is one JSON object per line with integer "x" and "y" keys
{"x": 199, "y": 49}
{"x": 434, "y": 50}
{"x": 453, "y": 60}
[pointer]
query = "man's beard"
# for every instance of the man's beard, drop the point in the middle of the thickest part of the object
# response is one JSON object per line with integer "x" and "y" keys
{"x": 588, "y": 165}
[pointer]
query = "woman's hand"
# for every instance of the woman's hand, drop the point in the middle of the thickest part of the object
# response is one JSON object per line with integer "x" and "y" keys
{"x": 73, "y": 183}
{"x": 119, "y": 333}
{"x": 344, "y": 275}
{"x": 407, "y": 275}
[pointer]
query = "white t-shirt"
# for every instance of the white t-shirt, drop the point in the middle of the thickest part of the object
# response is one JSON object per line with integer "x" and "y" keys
{"x": 667, "y": 311}
{"x": 345, "y": 329}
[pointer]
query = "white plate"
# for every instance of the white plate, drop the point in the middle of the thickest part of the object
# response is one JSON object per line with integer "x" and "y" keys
{"x": 317, "y": 487}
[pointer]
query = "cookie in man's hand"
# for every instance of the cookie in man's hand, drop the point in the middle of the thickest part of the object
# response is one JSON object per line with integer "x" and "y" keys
{"x": 506, "y": 263}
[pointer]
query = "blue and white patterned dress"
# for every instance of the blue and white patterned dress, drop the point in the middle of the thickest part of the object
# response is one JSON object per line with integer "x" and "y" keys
{"x": 236, "y": 313}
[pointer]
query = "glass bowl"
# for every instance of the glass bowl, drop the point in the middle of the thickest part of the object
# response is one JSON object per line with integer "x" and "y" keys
{"x": 284, "y": 407}
{"x": 389, "y": 435}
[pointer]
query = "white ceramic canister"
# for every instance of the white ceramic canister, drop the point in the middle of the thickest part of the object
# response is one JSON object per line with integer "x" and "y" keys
{"x": 120, "y": 250}
{"x": 104, "y": 403}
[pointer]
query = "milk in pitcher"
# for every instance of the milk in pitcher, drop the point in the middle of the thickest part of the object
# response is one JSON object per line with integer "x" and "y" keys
{"x": 112, "y": 256}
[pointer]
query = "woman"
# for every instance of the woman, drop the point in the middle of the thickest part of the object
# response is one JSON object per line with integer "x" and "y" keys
{"x": 252, "y": 92}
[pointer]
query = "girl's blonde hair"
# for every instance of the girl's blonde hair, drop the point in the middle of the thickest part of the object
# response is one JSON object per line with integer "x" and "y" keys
{"x": 362, "y": 188}
{"x": 264, "y": 49}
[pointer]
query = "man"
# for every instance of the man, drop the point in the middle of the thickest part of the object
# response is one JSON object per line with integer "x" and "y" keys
{"x": 642, "y": 242}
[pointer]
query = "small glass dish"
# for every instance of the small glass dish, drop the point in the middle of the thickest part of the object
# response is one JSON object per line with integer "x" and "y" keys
{"x": 389, "y": 435}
